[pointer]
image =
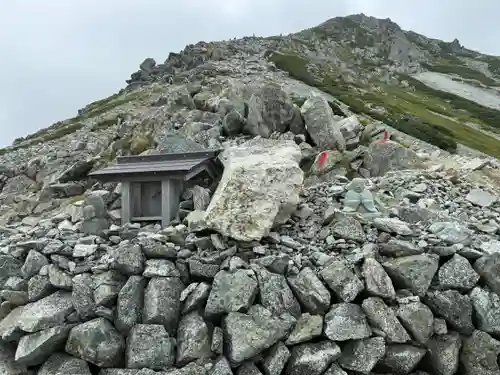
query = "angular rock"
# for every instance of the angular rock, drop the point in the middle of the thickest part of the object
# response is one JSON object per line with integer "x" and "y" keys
{"x": 487, "y": 310}
{"x": 450, "y": 232}
{"x": 307, "y": 328}
{"x": 84, "y": 250}
{"x": 414, "y": 272}
{"x": 130, "y": 304}
{"x": 480, "y": 354}
{"x": 149, "y": 345}
{"x": 349, "y": 228}
{"x": 33, "y": 264}
{"x": 418, "y": 319}
{"x": 392, "y": 225}
{"x": 399, "y": 248}
{"x": 444, "y": 351}
{"x": 310, "y": 291}
{"x": 321, "y": 124}
{"x": 107, "y": 285}
{"x": 34, "y": 349}
{"x": 160, "y": 268}
{"x": 382, "y": 317}
{"x": 193, "y": 339}
{"x": 269, "y": 110}
{"x": 378, "y": 282}
{"x": 275, "y": 294}
{"x": 275, "y": 361}
{"x": 197, "y": 298}
{"x": 63, "y": 364}
{"x": 481, "y": 198}
{"x": 454, "y": 308}
{"x": 312, "y": 358}
{"x": 258, "y": 189}
{"x": 202, "y": 271}
{"x": 382, "y": 157}
{"x": 457, "y": 273}
{"x": 217, "y": 340}
{"x": 346, "y": 321}
{"x": 351, "y": 130}
{"x": 129, "y": 260}
{"x": 162, "y": 302}
{"x": 327, "y": 164}
{"x": 401, "y": 358}
{"x": 83, "y": 295}
{"x": 250, "y": 334}
{"x": 362, "y": 355}
{"x": 221, "y": 367}
{"x": 488, "y": 268}
{"x": 46, "y": 313}
{"x": 97, "y": 342}
{"x": 440, "y": 326}
{"x": 40, "y": 287}
{"x": 58, "y": 278}
{"x": 491, "y": 247}
{"x": 231, "y": 292}
{"x": 340, "y": 278}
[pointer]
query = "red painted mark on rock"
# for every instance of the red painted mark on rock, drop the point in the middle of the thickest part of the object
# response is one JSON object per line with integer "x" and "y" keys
{"x": 322, "y": 159}
{"x": 386, "y": 137}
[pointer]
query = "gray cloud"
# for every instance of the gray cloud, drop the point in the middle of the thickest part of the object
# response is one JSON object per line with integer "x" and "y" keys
{"x": 58, "y": 56}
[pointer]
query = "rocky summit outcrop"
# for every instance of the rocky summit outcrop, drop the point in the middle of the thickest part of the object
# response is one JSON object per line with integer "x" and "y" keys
{"x": 330, "y": 243}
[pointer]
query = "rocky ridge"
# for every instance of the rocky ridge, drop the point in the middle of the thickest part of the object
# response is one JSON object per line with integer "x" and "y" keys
{"x": 263, "y": 272}
{"x": 379, "y": 70}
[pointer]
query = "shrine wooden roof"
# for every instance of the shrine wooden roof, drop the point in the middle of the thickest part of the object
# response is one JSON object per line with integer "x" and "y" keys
{"x": 153, "y": 167}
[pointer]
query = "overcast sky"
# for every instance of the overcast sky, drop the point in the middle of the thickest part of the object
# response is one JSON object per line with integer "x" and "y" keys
{"x": 59, "y": 55}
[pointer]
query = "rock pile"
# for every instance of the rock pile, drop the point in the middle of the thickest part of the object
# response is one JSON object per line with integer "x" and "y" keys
{"x": 410, "y": 287}
{"x": 286, "y": 266}
{"x": 193, "y": 56}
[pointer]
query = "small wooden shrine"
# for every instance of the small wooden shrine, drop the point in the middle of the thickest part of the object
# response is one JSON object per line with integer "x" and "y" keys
{"x": 152, "y": 184}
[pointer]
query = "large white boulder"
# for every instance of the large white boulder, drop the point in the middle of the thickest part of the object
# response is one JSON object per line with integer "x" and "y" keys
{"x": 259, "y": 189}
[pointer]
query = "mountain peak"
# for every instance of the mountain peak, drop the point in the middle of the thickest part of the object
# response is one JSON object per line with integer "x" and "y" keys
{"x": 364, "y": 62}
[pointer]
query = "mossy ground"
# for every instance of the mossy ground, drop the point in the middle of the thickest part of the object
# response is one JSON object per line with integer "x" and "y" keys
{"x": 431, "y": 115}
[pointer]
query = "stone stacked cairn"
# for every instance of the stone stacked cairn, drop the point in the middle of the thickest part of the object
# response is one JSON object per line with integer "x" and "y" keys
{"x": 364, "y": 278}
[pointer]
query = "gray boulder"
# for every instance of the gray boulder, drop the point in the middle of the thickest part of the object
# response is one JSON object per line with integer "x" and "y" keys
{"x": 97, "y": 342}
{"x": 321, "y": 124}
{"x": 269, "y": 110}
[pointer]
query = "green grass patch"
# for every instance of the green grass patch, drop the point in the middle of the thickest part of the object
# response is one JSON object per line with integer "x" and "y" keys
{"x": 493, "y": 63}
{"x": 430, "y": 115}
{"x": 446, "y": 118}
{"x": 296, "y": 66}
{"x": 106, "y": 122}
{"x": 63, "y": 128}
{"x": 108, "y": 106}
{"x": 487, "y": 115}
